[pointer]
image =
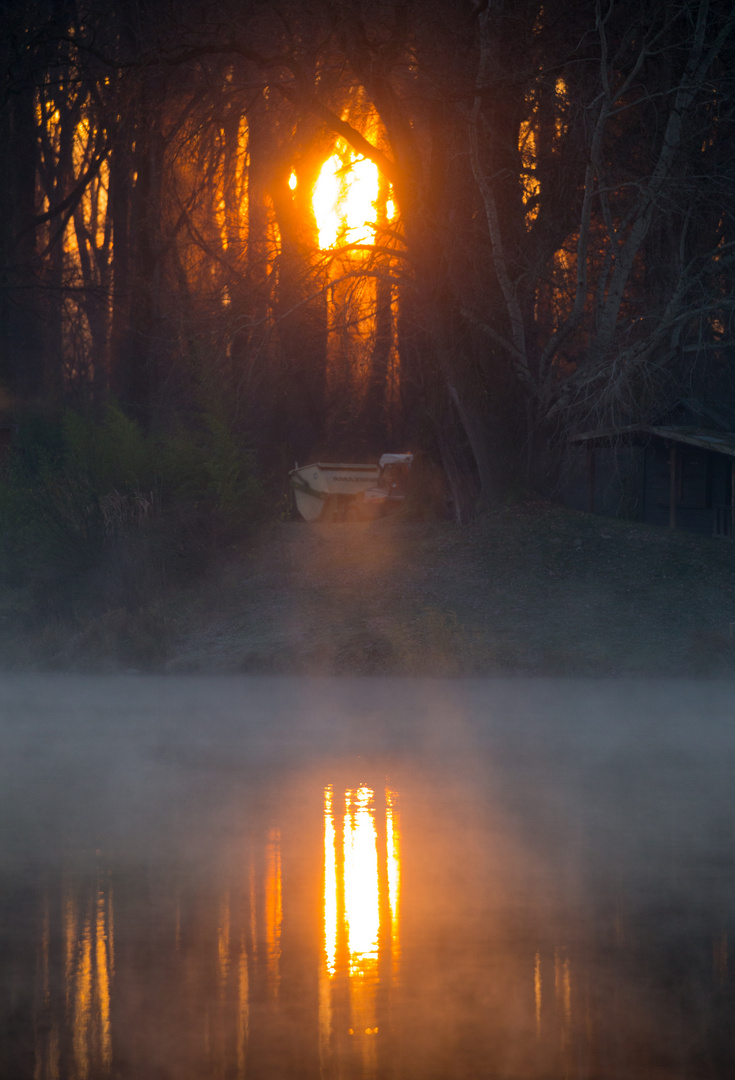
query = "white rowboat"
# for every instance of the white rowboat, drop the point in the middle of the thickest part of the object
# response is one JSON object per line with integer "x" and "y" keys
{"x": 322, "y": 482}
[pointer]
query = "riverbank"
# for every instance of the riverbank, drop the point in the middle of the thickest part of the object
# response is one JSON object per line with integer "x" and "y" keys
{"x": 529, "y": 590}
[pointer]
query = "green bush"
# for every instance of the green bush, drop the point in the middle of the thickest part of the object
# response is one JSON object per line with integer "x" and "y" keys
{"x": 99, "y": 500}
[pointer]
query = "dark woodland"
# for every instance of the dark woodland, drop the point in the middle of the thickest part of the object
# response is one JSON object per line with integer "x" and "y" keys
{"x": 552, "y": 241}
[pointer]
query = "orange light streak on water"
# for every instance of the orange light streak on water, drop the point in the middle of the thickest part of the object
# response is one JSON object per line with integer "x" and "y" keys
{"x": 563, "y": 991}
{"x": 393, "y": 852}
{"x": 83, "y": 1004}
{"x": 273, "y": 910}
{"x": 537, "y": 991}
{"x": 243, "y": 1011}
{"x": 357, "y": 888}
{"x": 362, "y": 906}
{"x": 330, "y": 884}
{"x": 103, "y": 983}
{"x": 223, "y": 944}
{"x": 253, "y": 909}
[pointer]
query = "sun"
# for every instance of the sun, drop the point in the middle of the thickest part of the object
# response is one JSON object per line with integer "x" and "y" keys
{"x": 345, "y": 199}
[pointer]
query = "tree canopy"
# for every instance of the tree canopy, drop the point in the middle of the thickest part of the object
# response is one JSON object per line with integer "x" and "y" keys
{"x": 544, "y": 241}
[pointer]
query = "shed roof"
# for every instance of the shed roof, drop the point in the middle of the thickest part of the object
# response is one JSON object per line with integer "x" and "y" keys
{"x": 719, "y": 441}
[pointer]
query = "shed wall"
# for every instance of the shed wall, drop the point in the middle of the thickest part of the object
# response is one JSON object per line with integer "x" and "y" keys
{"x": 633, "y": 482}
{"x": 702, "y": 485}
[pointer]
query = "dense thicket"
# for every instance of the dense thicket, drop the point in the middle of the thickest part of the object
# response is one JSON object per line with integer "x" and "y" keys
{"x": 561, "y": 253}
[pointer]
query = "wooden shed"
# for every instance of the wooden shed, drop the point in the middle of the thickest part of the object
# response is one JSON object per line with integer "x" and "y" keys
{"x": 678, "y": 470}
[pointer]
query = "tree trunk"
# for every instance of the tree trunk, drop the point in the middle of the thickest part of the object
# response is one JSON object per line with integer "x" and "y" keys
{"x": 302, "y": 331}
{"x": 21, "y": 339}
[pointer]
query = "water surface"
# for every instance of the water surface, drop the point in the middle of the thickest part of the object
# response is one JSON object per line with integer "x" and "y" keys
{"x": 259, "y": 877}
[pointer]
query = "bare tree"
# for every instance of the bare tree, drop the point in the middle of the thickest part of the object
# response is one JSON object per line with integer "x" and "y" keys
{"x": 653, "y": 98}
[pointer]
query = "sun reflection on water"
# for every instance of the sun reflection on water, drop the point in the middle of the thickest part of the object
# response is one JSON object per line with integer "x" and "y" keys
{"x": 362, "y": 873}
{"x": 273, "y": 910}
{"x": 362, "y": 904}
{"x": 88, "y": 972}
{"x": 330, "y": 884}
{"x": 103, "y": 982}
{"x": 393, "y": 853}
{"x": 537, "y": 991}
{"x": 291, "y": 954}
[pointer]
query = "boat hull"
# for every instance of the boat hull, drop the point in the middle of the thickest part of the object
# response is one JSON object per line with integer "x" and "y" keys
{"x": 321, "y": 485}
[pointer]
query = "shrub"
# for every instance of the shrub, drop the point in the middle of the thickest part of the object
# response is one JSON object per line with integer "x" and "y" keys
{"x": 101, "y": 503}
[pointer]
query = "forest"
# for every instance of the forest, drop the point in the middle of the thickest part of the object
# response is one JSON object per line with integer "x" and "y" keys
{"x": 235, "y": 234}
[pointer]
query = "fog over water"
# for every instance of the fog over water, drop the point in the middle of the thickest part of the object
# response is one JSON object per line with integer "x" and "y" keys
{"x": 283, "y": 877}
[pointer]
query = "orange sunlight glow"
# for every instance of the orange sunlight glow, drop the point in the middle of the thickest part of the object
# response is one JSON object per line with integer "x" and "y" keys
{"x": 353, "y": 860}
{"x": 344, "y": 199}
{"x": 103, "y": 983}
{"x": 362, "y": 908}
{"x": 357, "y": 905}
{"x": 273, "y": 910}
{"x": 531, "y": 185}
{"x": 393, "y": 851}
{"x": 330, "y": 885}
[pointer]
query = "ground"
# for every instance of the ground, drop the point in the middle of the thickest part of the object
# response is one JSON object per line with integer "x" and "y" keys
{"x": 530, "y": 589}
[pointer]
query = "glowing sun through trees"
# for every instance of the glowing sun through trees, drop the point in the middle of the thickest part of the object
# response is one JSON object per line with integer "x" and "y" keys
{"x": 345, "y": 199}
